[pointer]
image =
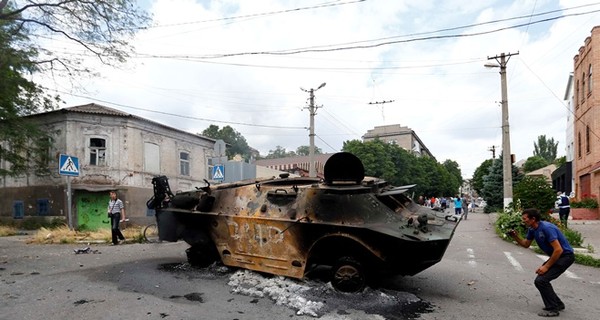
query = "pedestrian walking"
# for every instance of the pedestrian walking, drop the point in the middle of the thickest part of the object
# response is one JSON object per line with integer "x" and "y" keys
{"x": 457, "y": 205}
{"x": 465, "y": 208}
{"x": 552, "y": 241}
{"x": 116, "y": 213}
{"x": 564, "y": 207}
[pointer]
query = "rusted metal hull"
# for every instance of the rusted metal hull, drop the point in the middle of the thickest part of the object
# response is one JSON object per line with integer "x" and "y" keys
{"x": 287, "y": 226}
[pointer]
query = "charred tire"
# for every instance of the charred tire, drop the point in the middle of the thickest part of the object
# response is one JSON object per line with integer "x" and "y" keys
{"x": 348, "y": 275}
{"x": 201, "y": 256}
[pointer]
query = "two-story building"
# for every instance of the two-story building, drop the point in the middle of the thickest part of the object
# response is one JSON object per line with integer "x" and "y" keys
{"x": 116, "y": 151}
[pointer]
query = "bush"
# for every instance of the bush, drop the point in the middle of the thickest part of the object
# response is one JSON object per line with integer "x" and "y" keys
{"x": 535, "y": 192}
{"x": 587, "y": 201}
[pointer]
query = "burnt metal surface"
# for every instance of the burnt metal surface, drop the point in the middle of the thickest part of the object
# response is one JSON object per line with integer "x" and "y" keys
{"x": 287, "y": 226}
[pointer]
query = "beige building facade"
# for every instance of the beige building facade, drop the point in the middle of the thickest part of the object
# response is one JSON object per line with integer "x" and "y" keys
{"x": 116, "y": 151}
{"x": 402, "y": 136}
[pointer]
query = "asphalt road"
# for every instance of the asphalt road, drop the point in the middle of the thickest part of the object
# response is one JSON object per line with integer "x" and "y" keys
{"x": 480, "y": 277}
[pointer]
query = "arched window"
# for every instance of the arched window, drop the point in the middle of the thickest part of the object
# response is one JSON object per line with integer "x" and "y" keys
{"x": 577, "y": 93}
{"x": 588, "y": 142}
{"x": 583, "y": 87}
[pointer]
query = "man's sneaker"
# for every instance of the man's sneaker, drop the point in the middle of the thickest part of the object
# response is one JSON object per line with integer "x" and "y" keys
{"x": 549, "y": 313}
{"x": 559, "y": 308}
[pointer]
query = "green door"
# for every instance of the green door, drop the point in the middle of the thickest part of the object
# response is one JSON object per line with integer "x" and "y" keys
{"x": 92, "y": 210}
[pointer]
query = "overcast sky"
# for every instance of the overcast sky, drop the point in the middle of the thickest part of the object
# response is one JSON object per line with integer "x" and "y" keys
{"x": 243, "y": 64}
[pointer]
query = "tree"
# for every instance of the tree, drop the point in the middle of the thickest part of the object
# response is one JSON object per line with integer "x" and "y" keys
{"x": 237, "y": 142}
{"x": 545, "y": 148}
{"x": 534, "y": 163}
{"x": 279, "y": 152}
{"x": 535, "y": 192}
{"x": 305, "y": 150}
{"x": 493, "y": 185}
{"x": 479, "y": 175}
{"x": 454, "y": 169}
{"x": 399, "y": 167}
{"x": 102, "y": 28}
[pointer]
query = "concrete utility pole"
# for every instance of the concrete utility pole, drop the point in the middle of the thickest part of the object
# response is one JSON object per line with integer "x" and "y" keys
{"x": 313, "y": 111}
{"x": 506, "y": 155}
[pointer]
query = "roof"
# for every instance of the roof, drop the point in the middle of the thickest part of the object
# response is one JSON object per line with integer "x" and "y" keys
{"x": 93, "y": 108}
{"x": 545, "y": 171}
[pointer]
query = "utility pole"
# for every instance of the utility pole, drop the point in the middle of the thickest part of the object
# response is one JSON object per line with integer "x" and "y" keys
{"x": 502, "y": 60}
{"x": 313, "y": 111}
{"x": 493, "y": 150}
{"x": 382, "y": 103}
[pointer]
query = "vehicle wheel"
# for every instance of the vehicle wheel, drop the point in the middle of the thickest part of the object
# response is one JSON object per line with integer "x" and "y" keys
{"x": 348, "y": 275}
{"x": 151, "y": 233}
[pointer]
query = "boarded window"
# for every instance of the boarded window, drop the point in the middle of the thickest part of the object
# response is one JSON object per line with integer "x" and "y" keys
{"x": 18, "y": 209}
{"x": 151, "y": 157}
{"x": 43, "y": 207}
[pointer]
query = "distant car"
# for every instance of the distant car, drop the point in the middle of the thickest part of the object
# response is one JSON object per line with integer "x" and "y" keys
{"x": 359, "y": 228}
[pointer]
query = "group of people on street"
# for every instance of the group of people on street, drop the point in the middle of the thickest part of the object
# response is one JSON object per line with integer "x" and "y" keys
{"x": 462, "y": 206}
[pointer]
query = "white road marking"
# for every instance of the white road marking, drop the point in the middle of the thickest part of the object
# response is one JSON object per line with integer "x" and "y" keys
{"x": 471, "y": 255}
{"x": 568, "y": 273}
{"x": 513, "y": 261}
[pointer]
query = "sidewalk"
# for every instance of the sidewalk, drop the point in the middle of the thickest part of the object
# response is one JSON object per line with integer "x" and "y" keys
{"x": 590, "y": 231}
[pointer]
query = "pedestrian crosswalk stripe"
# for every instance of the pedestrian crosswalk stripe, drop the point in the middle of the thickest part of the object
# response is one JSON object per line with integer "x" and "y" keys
{"x": 513, "y": 261}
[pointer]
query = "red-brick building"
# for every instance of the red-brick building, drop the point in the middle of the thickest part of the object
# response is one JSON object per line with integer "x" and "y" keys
{"x": 586, "y": 103}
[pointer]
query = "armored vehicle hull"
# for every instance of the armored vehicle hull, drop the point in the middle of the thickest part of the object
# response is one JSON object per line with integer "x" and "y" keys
{"x": 287, "y": 226}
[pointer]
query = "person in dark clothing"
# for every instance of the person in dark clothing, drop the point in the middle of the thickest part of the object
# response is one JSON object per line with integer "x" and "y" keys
{"x": 553, "y": 242}
{"x": 116, "y": 213}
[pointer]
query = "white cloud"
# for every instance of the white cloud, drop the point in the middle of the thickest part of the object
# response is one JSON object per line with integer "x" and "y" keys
{"x": 439, "y": 86}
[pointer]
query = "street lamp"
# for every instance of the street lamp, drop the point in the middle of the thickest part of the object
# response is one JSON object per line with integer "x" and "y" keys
{"x": 311, "y": 149}
{"x": 506, "y": 155}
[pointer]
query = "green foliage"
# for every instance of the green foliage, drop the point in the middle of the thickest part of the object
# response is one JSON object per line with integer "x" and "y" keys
{"x": 534, "y": 163}
{"x": 573, "y": 236}
{"x": 535, "y": 192}
{"x": 237, "y": 142}
{"x": 399, "y": 167}
{"x": 479, "y": 174}
{"x": 305, "y": 150}
{"x": 101, "y": 28}
{"x": 560, "y": 161}
{"x": 586, "y": 202}
{"x": 545, "y": 148}
{"x": 510, "y": 220}
{"x": 34, "y": 223}
{"x": 493, "y": 187}
{"x": 587, "y": 260}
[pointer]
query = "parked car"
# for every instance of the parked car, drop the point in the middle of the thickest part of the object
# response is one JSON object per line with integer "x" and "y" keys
{"x": 359, "y": 228}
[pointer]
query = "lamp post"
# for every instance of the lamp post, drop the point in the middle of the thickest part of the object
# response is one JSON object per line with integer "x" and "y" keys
{"x": 506, "y": 155}
{"x": 311, "y": 149}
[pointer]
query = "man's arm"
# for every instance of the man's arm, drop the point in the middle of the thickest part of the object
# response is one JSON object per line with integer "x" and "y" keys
{"x": 557, "y": 251}
{"x": 525, "y": 243}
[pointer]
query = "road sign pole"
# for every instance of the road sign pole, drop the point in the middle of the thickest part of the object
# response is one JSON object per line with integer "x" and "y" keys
{"x": 69, "y": 214}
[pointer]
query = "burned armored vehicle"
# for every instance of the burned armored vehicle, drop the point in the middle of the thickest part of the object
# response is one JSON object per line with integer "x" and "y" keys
{"x": 357, "y": 227}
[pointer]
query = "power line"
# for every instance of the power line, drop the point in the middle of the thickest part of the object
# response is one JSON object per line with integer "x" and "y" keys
{"x": 178, "y": 115}
{"x": 344, "y": 48}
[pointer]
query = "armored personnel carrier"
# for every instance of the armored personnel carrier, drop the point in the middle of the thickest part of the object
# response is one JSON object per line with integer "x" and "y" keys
{"x": 358, "y": 228}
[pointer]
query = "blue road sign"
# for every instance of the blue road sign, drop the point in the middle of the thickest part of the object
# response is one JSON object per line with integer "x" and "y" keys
{"x": 218, "y": 172}
{"x": 68, "y": 165}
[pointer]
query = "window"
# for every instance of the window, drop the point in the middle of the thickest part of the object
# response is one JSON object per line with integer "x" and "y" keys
{"x": 583, "y": 87}
{"x": 587, "y": 139}
{"x": 577, "y": 93}
{"x": 18, "y": 209}
{"x": 579, "y": 144}
{"x": 97, "y": 152}
{"x": 590, "y": 82}
{"x": 184, "y": 163}
{"x": 43, "y": 207}
{"x": 151, "y": 157}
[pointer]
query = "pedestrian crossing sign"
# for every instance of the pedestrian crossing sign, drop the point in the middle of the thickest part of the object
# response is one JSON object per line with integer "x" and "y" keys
{"x": 68, "y": 165}
{"x": 218, "y": 172}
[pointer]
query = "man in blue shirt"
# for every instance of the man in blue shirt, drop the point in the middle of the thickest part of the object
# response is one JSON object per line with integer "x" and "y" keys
{"x": 550, "y": 240}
